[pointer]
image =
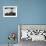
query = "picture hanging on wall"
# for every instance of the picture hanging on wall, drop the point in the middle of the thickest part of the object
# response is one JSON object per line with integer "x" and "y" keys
{"x": 9, "y": 11}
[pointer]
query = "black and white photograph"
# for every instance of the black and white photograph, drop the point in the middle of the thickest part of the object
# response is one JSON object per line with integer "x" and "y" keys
{"x": 31, "y": 34}
{"x": 9, "y": 11}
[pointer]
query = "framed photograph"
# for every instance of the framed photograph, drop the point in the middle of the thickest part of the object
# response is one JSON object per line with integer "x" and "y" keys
{"x": 31, "y": 32}
{"x": 9, "y": 11}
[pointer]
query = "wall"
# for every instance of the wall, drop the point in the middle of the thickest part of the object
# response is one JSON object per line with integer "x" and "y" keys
{"x": 29, "y": 12}
{"x": 7, "y": 25}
